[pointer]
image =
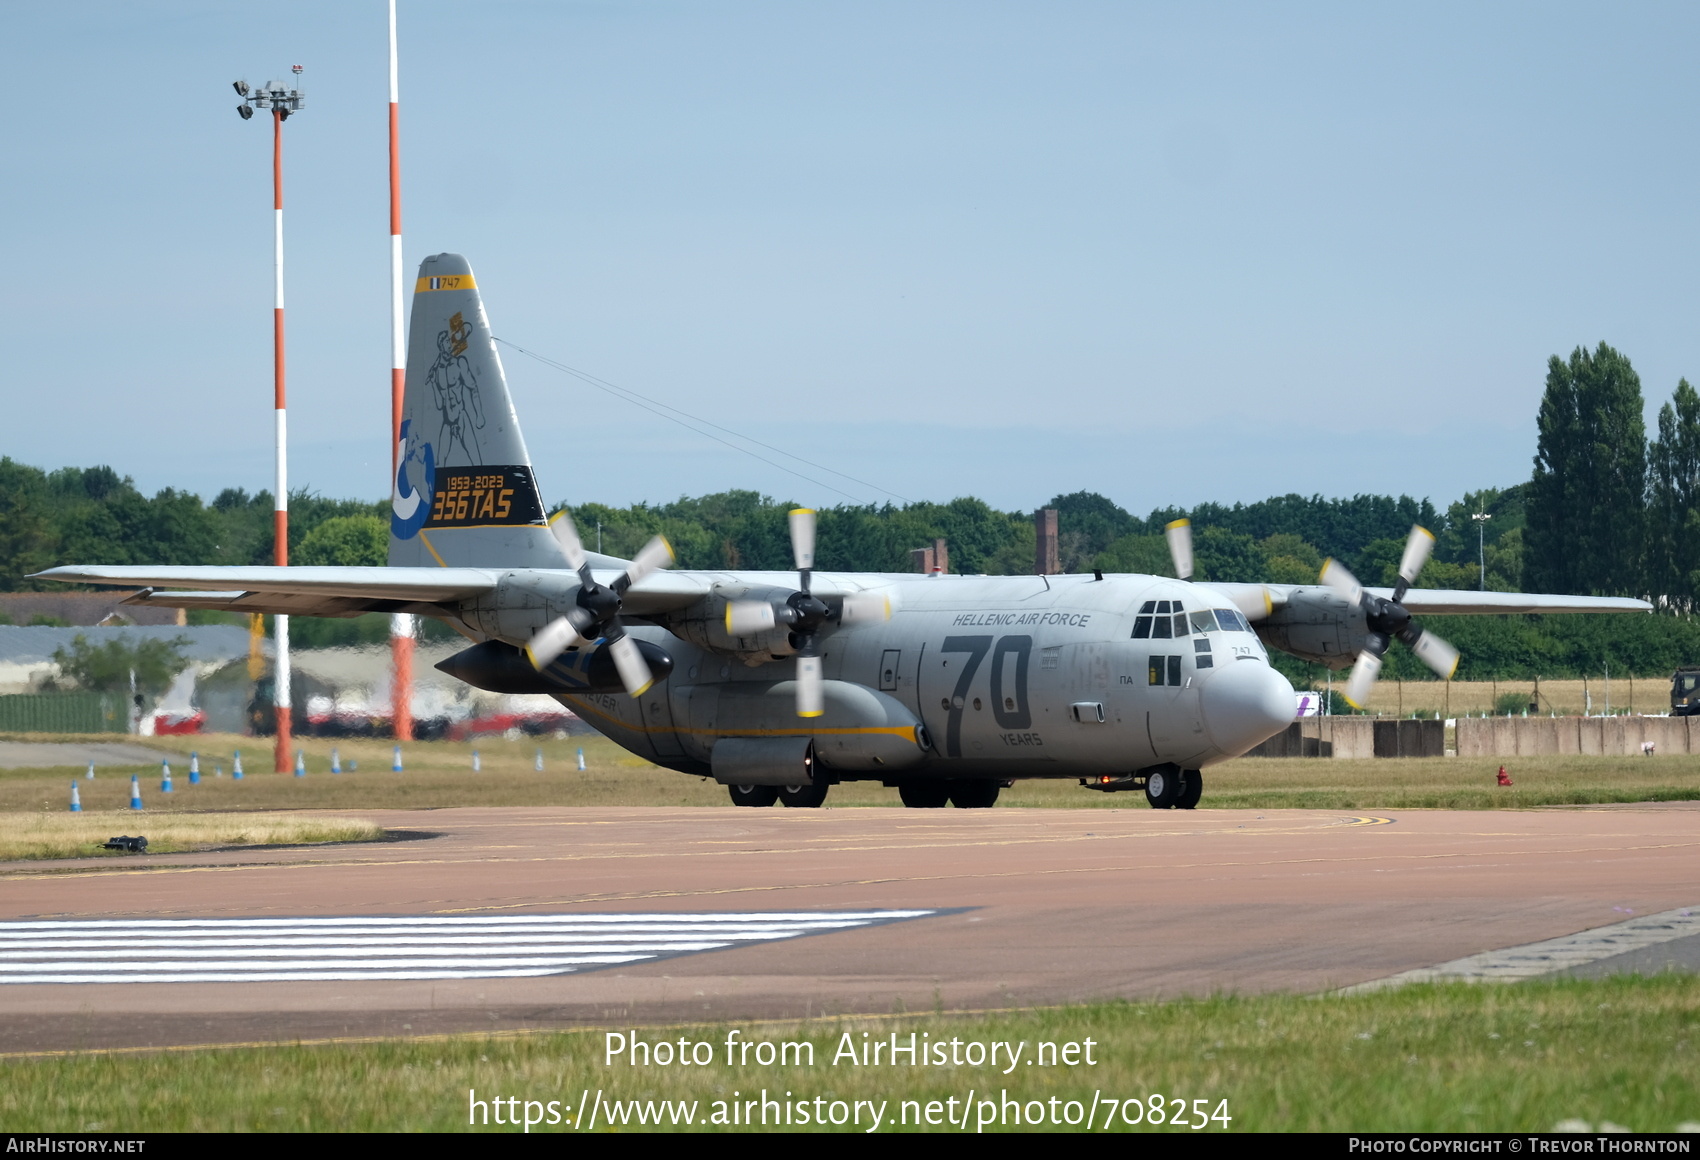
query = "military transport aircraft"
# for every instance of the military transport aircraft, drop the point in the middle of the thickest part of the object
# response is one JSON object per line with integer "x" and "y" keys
{"x": 779, "y": 685}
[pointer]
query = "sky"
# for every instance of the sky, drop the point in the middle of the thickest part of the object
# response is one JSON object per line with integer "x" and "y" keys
{"x": 1169, "y": 253}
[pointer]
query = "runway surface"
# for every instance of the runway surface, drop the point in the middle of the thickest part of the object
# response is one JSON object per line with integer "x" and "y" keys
{"x": 1029, "y": 907}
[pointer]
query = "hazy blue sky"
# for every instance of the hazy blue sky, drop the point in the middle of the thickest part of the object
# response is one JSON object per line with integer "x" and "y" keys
{"x": 1171, "y": 253}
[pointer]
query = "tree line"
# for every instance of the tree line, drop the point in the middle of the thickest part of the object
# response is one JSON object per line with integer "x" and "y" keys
{"x": 1605, "y": 511}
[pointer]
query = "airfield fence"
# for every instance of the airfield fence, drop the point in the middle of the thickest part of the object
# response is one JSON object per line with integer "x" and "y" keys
{"x": 62, "y": 713}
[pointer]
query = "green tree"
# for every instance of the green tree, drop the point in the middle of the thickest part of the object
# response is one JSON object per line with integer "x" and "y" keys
{"x": 106, "y": 667}
{"x": 1586, "y": 499}
{"x": 1673, "y": 488}
{"x": 345, "y": 541}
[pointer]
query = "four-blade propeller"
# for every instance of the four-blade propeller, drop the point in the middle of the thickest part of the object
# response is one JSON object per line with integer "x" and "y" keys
{"x": 597, "y": 615}
{"x": 1388, "y": 619}
{"x": 805, "y": 614}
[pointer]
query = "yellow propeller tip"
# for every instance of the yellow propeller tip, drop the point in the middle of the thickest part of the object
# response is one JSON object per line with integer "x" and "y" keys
{"x": 1177, "y": 524}
{"x": 816, "y": 713}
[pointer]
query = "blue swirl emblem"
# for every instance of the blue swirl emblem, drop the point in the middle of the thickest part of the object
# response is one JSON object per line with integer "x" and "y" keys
{"x": 410, "y": 507}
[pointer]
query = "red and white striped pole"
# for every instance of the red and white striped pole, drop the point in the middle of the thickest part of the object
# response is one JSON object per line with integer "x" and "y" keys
{"x": 280, "y": 515}
{"x": 401, "y": 623}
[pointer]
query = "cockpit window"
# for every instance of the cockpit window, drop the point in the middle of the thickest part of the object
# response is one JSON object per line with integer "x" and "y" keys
{"x": 1203, "y": 621}
{"x": 1160, "y": 620}
{"x": 1231, "y": 620}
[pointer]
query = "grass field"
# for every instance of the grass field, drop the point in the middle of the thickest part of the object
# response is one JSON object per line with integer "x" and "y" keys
{"x": 1523, "y": 1057}
{"x": 439, "y": 774}
{"x": 41, "y": 835}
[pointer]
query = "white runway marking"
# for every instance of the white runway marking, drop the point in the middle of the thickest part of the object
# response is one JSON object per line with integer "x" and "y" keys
{"x": 1553, "y": 954}
{"x": 263, "y": 950}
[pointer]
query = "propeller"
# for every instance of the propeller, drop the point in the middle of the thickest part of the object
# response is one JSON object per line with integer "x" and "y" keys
{"x": 597, "y": 615}
{"x": 1388, "y": 619}
{"x": 805, "y": 614}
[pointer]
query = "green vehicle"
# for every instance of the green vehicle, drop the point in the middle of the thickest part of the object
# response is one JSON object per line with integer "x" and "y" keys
{"x": 1685, "y": 693}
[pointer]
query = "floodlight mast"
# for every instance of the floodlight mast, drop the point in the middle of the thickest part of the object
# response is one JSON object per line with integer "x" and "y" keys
{"x": 281, "y": 102}
{"x": 1481, "y": 519}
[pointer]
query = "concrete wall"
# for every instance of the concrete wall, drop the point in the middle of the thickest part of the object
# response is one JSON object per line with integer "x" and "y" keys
{"x": 1336, "y": 737}
{"x": 1604, "y": 736}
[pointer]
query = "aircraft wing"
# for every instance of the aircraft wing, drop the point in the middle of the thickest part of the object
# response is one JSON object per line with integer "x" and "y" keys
{"x": 295, "y": 591}
{"x": 346, "y": 591}
{"x": 1260, "y": 600}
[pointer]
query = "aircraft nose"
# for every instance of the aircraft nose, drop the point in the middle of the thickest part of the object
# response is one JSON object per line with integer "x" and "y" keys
{"x": 1244, "y": 703}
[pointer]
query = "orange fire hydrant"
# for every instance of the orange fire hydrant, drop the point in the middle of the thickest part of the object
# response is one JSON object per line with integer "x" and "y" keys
{"x": 1504, "y": 778}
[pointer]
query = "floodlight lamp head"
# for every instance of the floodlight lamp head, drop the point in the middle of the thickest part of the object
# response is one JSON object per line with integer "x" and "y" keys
{"x": 241, "y": 88}
{"x": 244, "y": 111}
{"x": 283, "y": 114}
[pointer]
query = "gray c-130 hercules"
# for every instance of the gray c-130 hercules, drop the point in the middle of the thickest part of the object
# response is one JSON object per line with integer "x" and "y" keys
{"x": 779, "y": 684}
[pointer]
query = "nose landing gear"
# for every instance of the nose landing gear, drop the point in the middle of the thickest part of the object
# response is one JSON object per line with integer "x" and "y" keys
{"x": 1169, "y": 788}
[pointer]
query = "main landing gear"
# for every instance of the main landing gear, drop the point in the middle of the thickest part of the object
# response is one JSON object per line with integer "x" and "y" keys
{"x": 1168, "y": 788}
{"x": 803, "y": 796}
{"x": 965, "y": 794}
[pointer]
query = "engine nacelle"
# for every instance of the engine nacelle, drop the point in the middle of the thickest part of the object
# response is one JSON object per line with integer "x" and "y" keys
{"x": 498, "y": 667}
{"x": 704, "y": 624}
{"x": 522, "y": 603}
{"x": 1318, "y": 626}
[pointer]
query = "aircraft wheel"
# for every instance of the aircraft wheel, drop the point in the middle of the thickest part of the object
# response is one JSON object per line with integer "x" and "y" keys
{"x": 924, "y": 795}
{"x": 1163, "y": 787}
{"x": 804, "y": 796}
{"x": 753, "y": 795}
{"x": 974, "y": 795}
{"x": 1192, "y": 788}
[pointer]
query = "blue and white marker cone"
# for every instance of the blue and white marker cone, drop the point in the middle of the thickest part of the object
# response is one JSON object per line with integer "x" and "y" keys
{"x": 475, "y": 766}
{"x": 538, "y": 763}
{"x": 236, "y": 767}
{"x": 336, "y": 760}
{"x": 90, "y": 773}
{"x": 395, "y": 761}
{"x": 218, "y": 769}
{"x": 581, "y": 759}
{"x": 194, "y": 769}
{"x": 300, "y": 764}
{"x": 76, "y": 802}
{"x": 165, "y": 777}
{"x": 135, "y": 791}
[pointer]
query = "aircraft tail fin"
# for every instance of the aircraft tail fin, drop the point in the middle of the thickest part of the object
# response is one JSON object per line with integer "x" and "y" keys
{"x": 464, "y": 494}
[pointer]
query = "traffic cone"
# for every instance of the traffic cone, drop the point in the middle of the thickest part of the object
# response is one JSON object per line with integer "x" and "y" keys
{"x": 135, "y": 791}
{"x": 537, "y": 764}
{"x": 218, "y": 769}
{"x": 395, "y": 760}
{"x": 300, "y": 764}
{"x": 90, "y": 773}
{"x": 581, "y": 759}
{"x": 336, "y": 760}
{"x": 476, "y": 767}
{"x": 76, "y": 802}
{"x": 194, "y": 768}
{"x": 236, "y": 767}
{"x": 1504, "y": 778}
{"x": 165, "y": 777}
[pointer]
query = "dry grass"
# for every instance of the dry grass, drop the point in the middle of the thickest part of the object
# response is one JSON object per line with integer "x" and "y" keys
{"x": 68, "y": 835}
{"x": 439, "y": 775}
